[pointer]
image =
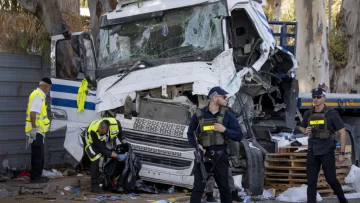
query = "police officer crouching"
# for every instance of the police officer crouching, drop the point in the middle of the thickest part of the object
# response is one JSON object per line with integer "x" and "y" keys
{"x": 95, "y": 137}
{"x": 213, "y": 125}
{"x": 321, "y": 124}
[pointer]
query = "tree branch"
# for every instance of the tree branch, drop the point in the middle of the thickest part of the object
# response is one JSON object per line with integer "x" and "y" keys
{"x": 29, "y": 5}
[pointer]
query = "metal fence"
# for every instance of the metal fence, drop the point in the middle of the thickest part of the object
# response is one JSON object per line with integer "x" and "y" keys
{"x": 19, "y": 76}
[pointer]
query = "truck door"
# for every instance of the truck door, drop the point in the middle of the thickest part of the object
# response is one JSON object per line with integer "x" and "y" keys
{"x": 73, "y": 63}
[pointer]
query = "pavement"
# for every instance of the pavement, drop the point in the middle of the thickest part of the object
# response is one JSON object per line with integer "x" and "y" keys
{"x": 20, "y": 190}
{"x": 143, "y": 198}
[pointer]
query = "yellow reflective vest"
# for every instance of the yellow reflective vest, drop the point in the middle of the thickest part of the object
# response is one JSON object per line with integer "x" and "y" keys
{"x": 42, "y": 121}
{"x": 94, "y": 126}
{"x": 81, "y": 96}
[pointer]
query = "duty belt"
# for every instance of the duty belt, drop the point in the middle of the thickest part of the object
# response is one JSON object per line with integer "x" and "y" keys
{"x": 212, "y": 152}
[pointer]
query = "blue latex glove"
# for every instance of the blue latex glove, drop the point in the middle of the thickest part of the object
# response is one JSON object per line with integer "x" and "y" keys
{"x": 122, "y": 157}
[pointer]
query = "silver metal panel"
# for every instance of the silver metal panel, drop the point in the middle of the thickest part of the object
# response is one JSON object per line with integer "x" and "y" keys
{"x": 12, "y": 118}
{"x": 13, "y": 104}
{"x": 20, "y": 61}
{"x": 164, "y": 112}
{"x": 56, "y": 153}
{"x": 19, "y": 76}
{"x": 12, "y": 133}
{"x": 17, "y": 89}
{"x": 18, "y": 156}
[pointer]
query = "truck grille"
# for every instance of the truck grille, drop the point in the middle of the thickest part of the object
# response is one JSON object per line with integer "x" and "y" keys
{"x": 159, "y": 127}
{"x": 164, "y": 162}
{"x": 155, "y": 140}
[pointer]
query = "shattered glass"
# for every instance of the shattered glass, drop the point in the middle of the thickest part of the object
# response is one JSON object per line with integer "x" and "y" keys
{"x": 90, "y": 58}
{"x": 178, "y": 33}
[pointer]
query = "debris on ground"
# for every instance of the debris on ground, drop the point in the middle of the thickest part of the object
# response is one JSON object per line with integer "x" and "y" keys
{"x": 70, "y": 172}
{"x": 52, "y": 174}
{"x": 353, "y": 178}
{"x": 269, "y": 194}
{"x": 296, "y": 194}
{"x": 3, "y": 193}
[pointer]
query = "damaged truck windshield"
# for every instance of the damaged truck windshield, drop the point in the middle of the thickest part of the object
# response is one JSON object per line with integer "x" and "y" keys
{"x": 186, "y": 32}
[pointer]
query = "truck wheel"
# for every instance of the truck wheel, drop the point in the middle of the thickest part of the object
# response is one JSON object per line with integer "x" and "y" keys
{"x": 254, "y": 177}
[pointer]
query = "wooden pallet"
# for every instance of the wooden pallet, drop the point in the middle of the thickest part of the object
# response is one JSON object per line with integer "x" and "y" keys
{"x": 288, "y": 169}
{"x": 292, "y": 149}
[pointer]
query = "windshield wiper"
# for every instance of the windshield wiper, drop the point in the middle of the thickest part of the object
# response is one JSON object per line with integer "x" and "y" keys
{"x": 136, "y": 65}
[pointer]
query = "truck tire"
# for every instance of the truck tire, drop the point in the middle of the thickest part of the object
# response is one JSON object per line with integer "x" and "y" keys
{"x": 254, "y": 177}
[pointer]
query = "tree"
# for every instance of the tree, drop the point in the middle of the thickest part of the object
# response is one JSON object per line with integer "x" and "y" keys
{"x": 348, "y": 76}
{"x": 49, "y": 13}
{"x": 311, "y": 49}
{"x": 273, "y": 8}
{"x": 10, "y": 5}
{"x": 69, "y": 6}
{"x": 97, "y": 8}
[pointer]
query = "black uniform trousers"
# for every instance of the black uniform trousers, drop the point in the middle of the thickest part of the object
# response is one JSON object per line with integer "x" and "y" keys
{"x": 95, "y": 173}
{"x": 220, "y": 171}
{"x": 327, "y": 161}
{"x": 37, "y": 157}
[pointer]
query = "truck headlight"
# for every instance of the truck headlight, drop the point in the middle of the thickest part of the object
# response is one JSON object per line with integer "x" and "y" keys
{"x": 58, "y": 114}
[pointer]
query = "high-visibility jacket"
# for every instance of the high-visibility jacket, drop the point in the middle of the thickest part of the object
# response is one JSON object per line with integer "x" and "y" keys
{"x": 94, "y": 126}
{"x": 81, "y": 96}
{"x": 42, "y": 121}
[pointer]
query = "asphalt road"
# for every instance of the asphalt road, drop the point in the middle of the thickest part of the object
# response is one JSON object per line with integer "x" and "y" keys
{"x": 143, "y": 198}
{"x": 60, "y": 195}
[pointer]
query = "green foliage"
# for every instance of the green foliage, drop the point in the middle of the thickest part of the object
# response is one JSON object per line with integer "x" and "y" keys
{"x": 335, "y": 11}
{"x": 337, "y": 43}
{"x": 21, "y": 32}
{"x": 288, "y": 11}
{"x": 338, "y": 55}
{"x": 84, "y": 3}
{"x": 269, "y": 12}
{"x": 10, "y": 5}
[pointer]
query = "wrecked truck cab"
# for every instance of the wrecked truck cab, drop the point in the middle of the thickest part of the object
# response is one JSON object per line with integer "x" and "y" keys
{"x": 156, "y": 65}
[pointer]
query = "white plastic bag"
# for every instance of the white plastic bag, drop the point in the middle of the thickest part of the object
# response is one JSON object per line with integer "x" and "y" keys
{"x": 353, "y": 178}
{"x": 237, "y": 181}
{"x": 52, "y": 174}
{"x": 296, "y": 194}
{"x": 356, "y": 183}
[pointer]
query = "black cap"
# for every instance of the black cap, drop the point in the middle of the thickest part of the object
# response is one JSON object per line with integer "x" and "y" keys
{"x": 216, "y": 91}
{"x": 47, "y": 80}
{"x": 318, "y": 91}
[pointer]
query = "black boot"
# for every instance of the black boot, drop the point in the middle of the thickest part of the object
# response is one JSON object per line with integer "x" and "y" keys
{"x": 96, "y": 189}
{"x": 236, "y": 197}
{"x": 210, "y": 197}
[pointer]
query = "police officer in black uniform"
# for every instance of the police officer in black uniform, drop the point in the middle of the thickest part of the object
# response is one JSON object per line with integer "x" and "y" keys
{"x": 213, "y": 125}
{"x": 321, "y": 124}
